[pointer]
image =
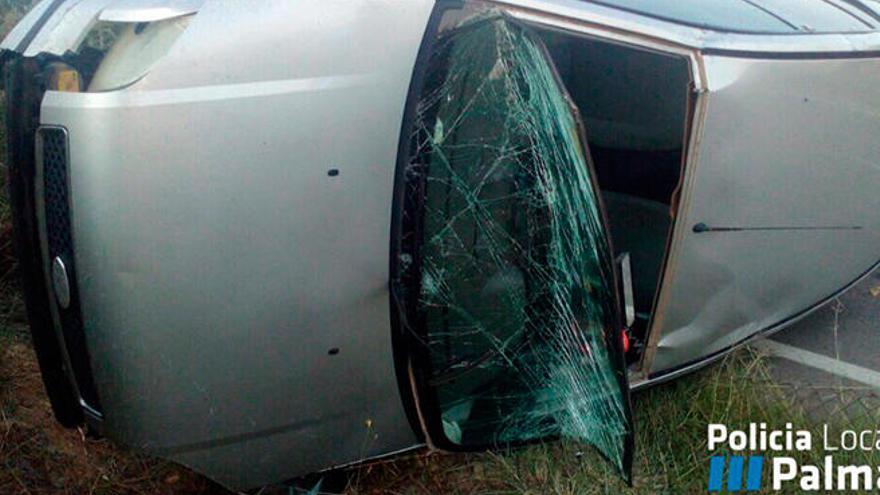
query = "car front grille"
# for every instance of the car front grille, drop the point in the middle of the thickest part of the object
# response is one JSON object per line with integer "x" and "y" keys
{"x": 59, "y": 244}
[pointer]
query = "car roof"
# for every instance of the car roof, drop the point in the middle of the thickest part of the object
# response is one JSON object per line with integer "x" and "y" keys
{"x": 761, "y": 16}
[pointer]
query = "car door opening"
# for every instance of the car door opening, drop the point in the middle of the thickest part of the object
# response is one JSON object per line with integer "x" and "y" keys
{"x": 634, "y": 103}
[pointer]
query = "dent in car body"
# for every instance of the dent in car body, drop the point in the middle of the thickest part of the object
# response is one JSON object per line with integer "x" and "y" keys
{"x": 787, "y": 155}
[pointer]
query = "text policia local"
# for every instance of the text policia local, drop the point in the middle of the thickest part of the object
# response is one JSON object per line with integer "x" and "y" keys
{"x": 788, "y": 471}
{"x": 759, "y": 438}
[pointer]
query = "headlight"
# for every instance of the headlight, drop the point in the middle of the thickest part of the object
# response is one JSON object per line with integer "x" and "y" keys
{"x": 131, "y": 49}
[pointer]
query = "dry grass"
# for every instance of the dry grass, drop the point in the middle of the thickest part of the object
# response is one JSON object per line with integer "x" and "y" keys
{"x": 10, "y": 12}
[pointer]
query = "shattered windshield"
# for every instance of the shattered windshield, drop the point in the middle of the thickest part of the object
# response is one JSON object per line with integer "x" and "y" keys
{"x": 516, "y": 301}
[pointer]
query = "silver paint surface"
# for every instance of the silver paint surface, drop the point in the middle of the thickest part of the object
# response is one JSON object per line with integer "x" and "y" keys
{"x": 787, "y": 143}
{"x": 217, "y": 260}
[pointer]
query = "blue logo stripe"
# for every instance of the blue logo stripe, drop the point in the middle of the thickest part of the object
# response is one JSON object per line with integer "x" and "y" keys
{"x": 716, "y": 473}
{"x": 735, "y": 473}
{"x": 756, "y": 466}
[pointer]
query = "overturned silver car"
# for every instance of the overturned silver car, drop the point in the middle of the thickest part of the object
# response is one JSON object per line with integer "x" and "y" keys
{"x": 269, "y": 238}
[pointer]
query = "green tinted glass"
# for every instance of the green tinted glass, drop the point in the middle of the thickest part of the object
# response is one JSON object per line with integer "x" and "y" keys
{"x": 517, "y": 290}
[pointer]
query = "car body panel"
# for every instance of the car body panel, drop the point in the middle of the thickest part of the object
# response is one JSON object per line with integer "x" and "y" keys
{"x": 766, "y": 162}
{"x": 212, "y": 329}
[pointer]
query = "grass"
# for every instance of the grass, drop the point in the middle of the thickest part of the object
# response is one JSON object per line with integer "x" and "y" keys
{"x": 10, "y": 12}
{"x": 38, "y": 456}
{"x": 671, "y": 454}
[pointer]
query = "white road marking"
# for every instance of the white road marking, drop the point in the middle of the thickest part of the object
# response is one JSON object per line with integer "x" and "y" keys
{"x": 829, "y": 365}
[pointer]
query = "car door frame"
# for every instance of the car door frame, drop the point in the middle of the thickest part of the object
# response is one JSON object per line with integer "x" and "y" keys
{"x": 405, "y": 342}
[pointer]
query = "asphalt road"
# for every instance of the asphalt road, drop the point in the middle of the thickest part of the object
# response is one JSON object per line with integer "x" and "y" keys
{"x": 832, "y": 357}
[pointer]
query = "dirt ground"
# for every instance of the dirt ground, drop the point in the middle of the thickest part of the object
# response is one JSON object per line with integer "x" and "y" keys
{"x": 37, "y": 455}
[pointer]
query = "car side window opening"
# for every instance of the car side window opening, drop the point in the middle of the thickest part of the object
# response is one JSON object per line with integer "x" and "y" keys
{"x": 634, "y": 106}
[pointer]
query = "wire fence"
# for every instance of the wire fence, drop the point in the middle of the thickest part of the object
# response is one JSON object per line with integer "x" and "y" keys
{"x": 835, "y": 404}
